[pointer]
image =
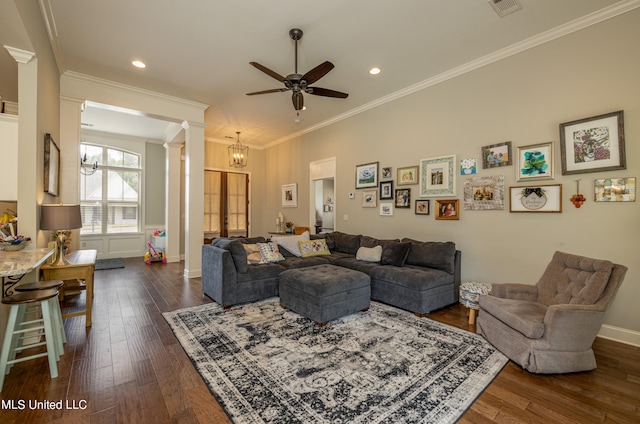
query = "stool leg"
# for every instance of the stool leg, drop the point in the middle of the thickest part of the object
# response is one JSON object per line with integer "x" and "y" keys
{"x": 50, "y": 339}
{"x": 20, "y": 318}
{"x": 472, "y": 316}
{"x": 7, "y": 343}
{"x": 57, "y": 325}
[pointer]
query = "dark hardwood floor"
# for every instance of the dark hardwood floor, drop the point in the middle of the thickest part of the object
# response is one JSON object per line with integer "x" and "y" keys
{"x": 129, "y": 367}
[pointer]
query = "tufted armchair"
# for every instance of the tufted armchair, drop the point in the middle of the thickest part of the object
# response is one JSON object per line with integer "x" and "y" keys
{"x": 549, "y": 327}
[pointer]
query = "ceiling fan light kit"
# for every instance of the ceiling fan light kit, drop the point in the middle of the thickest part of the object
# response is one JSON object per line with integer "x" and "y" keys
{"x": 297, "y": 83}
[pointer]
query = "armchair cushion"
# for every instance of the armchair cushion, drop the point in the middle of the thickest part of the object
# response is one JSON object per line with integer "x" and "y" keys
{"x": 523, "y": 316}
{"x": 573, "y": 279}
{"x": 238, "y": 253}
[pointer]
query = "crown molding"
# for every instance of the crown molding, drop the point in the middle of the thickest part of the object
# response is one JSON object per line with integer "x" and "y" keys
{"x": 230, "y": 141}
{"x": 542, "y": 38}
{"x": 116, "y": 85}
{"x": 19, "y": 55}
{"x": 52, "y": 33}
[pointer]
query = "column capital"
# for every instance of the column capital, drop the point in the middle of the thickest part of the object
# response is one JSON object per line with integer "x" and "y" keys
{"x": 20, "y": 56}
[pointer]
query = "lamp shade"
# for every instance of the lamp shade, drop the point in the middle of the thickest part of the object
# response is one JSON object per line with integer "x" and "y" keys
{"x": 60, "y": 217}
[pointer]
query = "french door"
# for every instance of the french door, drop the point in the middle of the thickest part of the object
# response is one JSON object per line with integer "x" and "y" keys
{"x": 226, "y": 204}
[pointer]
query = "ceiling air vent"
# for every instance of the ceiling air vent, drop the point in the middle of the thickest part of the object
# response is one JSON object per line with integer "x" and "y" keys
{"x": 505, "y": 7}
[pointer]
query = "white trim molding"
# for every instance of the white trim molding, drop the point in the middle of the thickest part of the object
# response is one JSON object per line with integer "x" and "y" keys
{"x": 619, "y": 334}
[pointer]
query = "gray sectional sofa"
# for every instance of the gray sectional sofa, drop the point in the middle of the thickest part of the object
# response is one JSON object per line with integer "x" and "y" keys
{"x": 413, "y": 275}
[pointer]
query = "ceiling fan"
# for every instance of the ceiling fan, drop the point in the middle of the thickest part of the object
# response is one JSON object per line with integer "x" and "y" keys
{"x": 297, "y": 83}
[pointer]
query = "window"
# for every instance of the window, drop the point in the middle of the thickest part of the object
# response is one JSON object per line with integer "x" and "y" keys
{"x": 110, "y": 198}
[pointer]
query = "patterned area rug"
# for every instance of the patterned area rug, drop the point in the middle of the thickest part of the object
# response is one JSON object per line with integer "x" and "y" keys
{"x": 267, "y": 364}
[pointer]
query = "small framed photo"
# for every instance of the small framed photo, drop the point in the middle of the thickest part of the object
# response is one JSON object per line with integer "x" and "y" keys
{"x": 593, "y": 144}
{"x": 386, "y": 209}
{"x": 422, "y": 207}
{"x": 386, "y": 173}
{"x": 403, "y": 198}
{"x": 448, "y": 209}
{"x": 370, "y": 198}
{"x": 367, "y": 175}
{"x": 535, "y": 162}
{"x": 536, "y": 198}
{"x": 468, "y": 166}
{"x": 438, "y": 176}
{"x": 386, "y": 190}
{"x": 615, "y": 190}
{"x": 496, "y": 155}
{"x": 484, "y": 193}
{"x": 408, "y": 175}
{"x": 290, "y": 195}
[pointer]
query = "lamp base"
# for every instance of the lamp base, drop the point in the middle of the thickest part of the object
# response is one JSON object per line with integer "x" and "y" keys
{"x": 60, "y": 258}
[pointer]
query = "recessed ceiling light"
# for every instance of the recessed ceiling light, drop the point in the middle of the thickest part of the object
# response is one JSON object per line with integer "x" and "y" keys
{"x": 374, "y": 71}
{"x": 139, "y": 64}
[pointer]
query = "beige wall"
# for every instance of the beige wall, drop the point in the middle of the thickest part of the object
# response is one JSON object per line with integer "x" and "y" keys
{"x": 522, "y": 99}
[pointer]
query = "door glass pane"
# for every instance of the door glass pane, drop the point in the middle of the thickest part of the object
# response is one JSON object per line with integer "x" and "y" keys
{"x": 237, "y": 204}
{"x": 212, "y": 203}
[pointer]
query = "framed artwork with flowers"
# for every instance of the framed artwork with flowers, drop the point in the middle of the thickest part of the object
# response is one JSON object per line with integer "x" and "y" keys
{"x": 535, "y": 162}
{"x": 593, "y": 144}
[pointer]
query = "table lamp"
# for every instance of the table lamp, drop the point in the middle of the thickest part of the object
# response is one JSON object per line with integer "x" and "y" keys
{"x": 60, "y": 218}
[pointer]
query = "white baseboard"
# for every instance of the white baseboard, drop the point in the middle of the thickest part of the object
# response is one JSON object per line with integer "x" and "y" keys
{"x": 621, "y": 335}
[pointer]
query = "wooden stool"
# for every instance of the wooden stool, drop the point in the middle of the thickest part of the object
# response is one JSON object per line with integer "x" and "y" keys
{"x": 44, "y": 285}
{"x": 17, "y": 328}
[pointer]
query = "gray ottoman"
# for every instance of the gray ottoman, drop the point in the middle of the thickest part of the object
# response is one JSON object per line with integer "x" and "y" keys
{"x": 324, "y": 292}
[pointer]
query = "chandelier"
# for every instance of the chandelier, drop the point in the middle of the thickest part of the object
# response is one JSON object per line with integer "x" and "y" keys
{"x": 87, "y": 168}
{"x": 238, "y": 154}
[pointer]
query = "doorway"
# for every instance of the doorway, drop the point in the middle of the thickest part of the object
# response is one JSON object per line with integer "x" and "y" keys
{"x": 226, "y": 204}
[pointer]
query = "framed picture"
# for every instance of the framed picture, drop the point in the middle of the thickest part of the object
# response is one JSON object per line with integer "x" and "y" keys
{"x": 403, "y": 198}
{"x": 51, "y": 166}
{"x": 496, "y": 155}
{"x": 438, "y": 176}
{"x": 535, "y": 162}
{"x": 615, "y": 190}
{"x": 536, "y": 198}
{"x": 369, "y": 198}
{"x": 408, "y": 175}
{"x": 386, "y": 190}
{"x": 367, "y": 175}
{"x": 468, "y": 166}
{"x": 386, "y": 209}
{"x": 422, "y": 207}
{"x": 290, "y": 195}
{"x": 386, "y": 173}
{"x": 593, "y": 144}
{"x": 484, "y": 193}
{"x": 448, "y": 209}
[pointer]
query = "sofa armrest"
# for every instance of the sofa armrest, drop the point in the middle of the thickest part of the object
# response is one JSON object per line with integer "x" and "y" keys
{"x": 219, "y": 274}
{"x": 572, "y": 327}
{"x": 515, "y": 291}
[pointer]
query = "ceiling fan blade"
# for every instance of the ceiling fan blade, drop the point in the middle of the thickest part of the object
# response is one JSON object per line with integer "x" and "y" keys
{"x": 275, "y": 90}
{"x": 298, "y": 100}
{"x": 267, "y": 71}
{"x": 317, "y": 91}
{"x": 318, "y": 72}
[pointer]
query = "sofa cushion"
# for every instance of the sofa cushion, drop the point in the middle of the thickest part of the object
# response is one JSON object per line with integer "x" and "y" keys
{"x": 412, "y": 277}
{"x": 367, "y": 241}
{"x": 269, "y": 252}
{"x": 294, "y": 262}
{"x": 395, "y": 253}
{"x": 346, "y": 243}
{"x": 238, "y": 254}
{"x": 523, "y": 316}
{"x": 353, "y": 263}
{"x": 290, "y": 243}
{"x": 251, "y": 240}
{"x": 369, "y": 254}
{"x": 261, "y": 272}
{"x": 313, "y": 248}
{"x": 432, "y": 254}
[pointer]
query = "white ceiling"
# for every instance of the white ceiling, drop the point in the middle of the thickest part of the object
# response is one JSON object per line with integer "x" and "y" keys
{"x": 200, "y": 50}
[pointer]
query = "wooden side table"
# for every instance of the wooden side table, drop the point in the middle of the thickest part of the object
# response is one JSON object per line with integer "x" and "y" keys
{"x": 81, "y": 267}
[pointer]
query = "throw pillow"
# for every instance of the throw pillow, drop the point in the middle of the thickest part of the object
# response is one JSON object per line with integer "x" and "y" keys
{"x": 255, "y": 258}
{"x": 346, "y": 243}
{"x": 269, "y": 252}
{"x": 313, "y": 248}
{"x": 291, "y": 242}
{"x": 395, "y": 253}
{"x": 369, "y": 254}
